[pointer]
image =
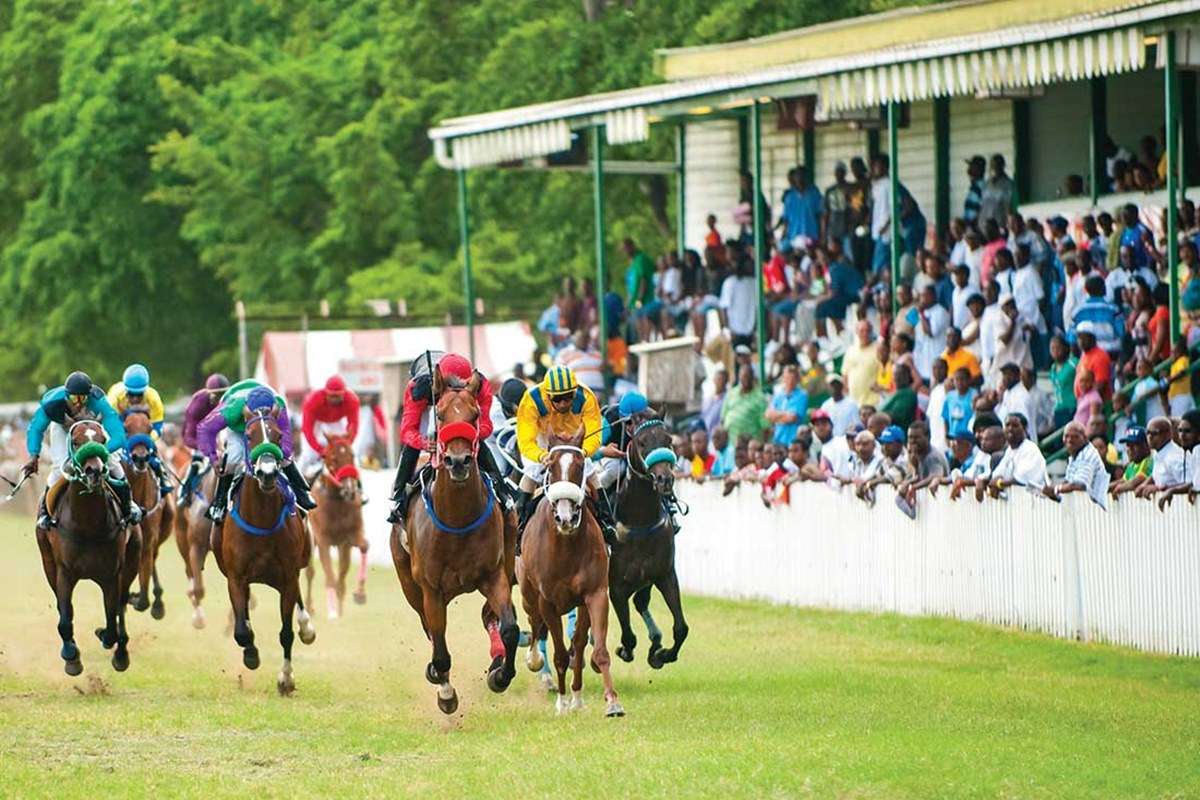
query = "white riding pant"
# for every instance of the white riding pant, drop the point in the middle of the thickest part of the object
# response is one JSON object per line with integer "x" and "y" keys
{"x": 608, "y": 471}
{"x": 310, "y": 460}
{"x": 60, "y": 457}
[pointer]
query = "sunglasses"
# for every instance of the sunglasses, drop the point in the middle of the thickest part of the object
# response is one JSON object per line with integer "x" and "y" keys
{"x": 78, "y": 399}
{"x": 557, "y": 399}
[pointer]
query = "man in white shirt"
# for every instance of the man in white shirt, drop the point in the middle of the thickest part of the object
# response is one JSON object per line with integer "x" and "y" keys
{"x": 1169, "y": 461}
{"x": 1085, "y": 469}
{"x": 842, "y": 411}
{"x": 1022, "y": 464}
{"x": 866, "y": 462}
{"x": 937, "y": 400}
{"x": 960, "y": 315}
{"x": 1014, "y": 397}
{"x": 835, "y": 457}
{"x": 739, "y": 304}
{"x": 1011, "y": 344}
{"x": 932, "y": 322}
{"x": 989, "y": 322}
{"x": 1028, "y": 291}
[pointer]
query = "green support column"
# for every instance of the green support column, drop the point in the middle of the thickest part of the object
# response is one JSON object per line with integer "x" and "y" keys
{"x": 597, "y": 147}
{"x": 1021, "y": 146}
{"x": 941, "y": 165}
{"x": 464, "y": 232}
{"x": 1171, "y": 105}
{"x": 681, "y": 190}
{"x": 893, "y": 120}
{"x": 809, "y": 145}
{"x": 760, "y": 246}
{"x": 1099, "y": 130}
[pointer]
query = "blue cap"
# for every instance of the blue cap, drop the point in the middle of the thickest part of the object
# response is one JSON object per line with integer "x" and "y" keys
{"x": 260, "y": 397}
{"x": 633, "y": 403}
{"x": 136, "y": 378}
{"x": 892, "y": 434}
{"x": 964, "y": 435}
{"x": 1134, "y": 433}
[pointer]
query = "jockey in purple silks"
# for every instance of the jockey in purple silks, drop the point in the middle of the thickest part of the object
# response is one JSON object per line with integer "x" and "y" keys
{"x": 199, "y": 407}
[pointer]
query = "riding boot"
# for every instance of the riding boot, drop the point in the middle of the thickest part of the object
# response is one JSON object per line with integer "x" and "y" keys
{"x": 299, "y": 486}
{"x": 487, "y": 463}
{"x": 185, "y": 486}
{"x": 404, "y": 472}
{"x": 216, "y": 509}
{"x": 133, "y": 514}
{"x": 44, "y": 520}
{"x": 525, "y": 506}
{"x": 164, "y": 488}
{"x": 604, "y": 516}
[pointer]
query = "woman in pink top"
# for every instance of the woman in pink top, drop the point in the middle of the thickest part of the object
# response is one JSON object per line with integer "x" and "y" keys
{"x": 1087, "y": 400}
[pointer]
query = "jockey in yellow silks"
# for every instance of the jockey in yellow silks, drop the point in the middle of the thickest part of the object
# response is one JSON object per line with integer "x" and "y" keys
{"x": 134, "y": 393}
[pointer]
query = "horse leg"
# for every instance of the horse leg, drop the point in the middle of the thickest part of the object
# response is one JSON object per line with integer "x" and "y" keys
{"x": 308, "y": 634}
{"x": 597, "y": 608}
{"x": 499, "y": 600}
{"x": 239, "y": 599}
{"x": 438, "y": 671}
{"x": 641, "y": 603}
{"x": 668, "y": 585}
{"x": 620, "y": 604}
{"x": 196, "y": 554}
{"x": 63, "y": 589}
{"x": 331, "y": 599}
{"x": 578, "y": 646}
{"x": 561, "y": 658}
{"x": 343, "y": 570}
{"x": 288, "y": 597}
{"x": 360, "y": 593}
{"x": 145, "y": 562}
{"x": 157, "y": 609}
{"x": 111, "y": 634}
{"x": 414, "y": 595}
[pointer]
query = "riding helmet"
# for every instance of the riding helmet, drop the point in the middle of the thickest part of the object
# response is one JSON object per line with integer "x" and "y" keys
{"x": 260, "y": 397}
{"x": 558, "y": 381}
{"x": 453, "y": 365}
{"x": 216, "y": 381}
{"x": 633, "y": 403}
{"x": 136, "y": 378}
{"x": 78, "y": 383}
{"x": 511, "y": 392}
{"x": 335, "y": 384}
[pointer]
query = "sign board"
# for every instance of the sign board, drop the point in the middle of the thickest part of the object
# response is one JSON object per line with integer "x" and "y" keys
{"x": 362, "y": 375}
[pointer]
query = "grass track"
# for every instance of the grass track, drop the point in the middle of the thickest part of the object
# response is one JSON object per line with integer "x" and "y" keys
{"x": 766, "y": 702}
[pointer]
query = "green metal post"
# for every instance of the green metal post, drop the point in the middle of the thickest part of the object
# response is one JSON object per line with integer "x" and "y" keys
{"x": 1171, "y": 104}
{"x": 809, "y": 145}
{"x": 601, "y": 253}
{"x": 941, "y": 165}
{"x": 681, "y": 190}
{"x": 760, "y": 246}
{"x": 464, "y": 232}
{"x": 1099, "y": 130}
{"x": 893, "y": 120}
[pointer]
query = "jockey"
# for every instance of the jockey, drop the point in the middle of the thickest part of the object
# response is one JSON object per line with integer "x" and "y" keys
{"x": 503, "y": 440}
{"x": 326, "y": 413}
{"x": 228, "y": 415}
{"x": 620, "y": 423}
{"x": 76, "y": 400}
{"x": 199, "y": 407}
{"x": 560, "y": 405}
{"x": 134, "y": 393}
{"x": 418, "y": 396}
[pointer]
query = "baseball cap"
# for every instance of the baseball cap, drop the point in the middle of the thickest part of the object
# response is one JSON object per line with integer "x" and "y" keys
{"x": 818, "y": 414}
{"x": 835, "y": 378}
{"x": 892, "y": 434}
{"x": 1087, "y": 326}
{"x": 965, "y": 435}
{"x": 742, "y": 350}
{"x": 1134, "y": 433}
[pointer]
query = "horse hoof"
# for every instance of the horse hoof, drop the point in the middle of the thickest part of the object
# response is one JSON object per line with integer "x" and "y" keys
{"x": 285, "y": 687}
{"x": 105, "y": 642}
{"x": 534, "y": 660}
{"x": 497, "y": 681}
{"x": 562, "y": 705}
{"x": 652, "y": 658}
{"x": 198, "y": 619}
{"x": 308, "y": 635}
{"x": 548, "y": 682}
{"x": 431, "y": 674}
{"x": 158, "y": 610}
{"x": 73, "y": 667}
{"x": 120, "y": 661}
{"x": 577, "y": 701}
{"x": 140, "y": 604}
{"x": 250, "y": 657}
{"x": 360, "y": 598}
{"x": 614, "y": 709}
{"x": 625, "y": 655}
{"x": 656, "y": 660}
{"x": 450, "y": 704}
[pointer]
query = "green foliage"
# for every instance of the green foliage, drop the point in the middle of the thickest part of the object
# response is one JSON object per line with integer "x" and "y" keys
{"x": 160, "y": 158}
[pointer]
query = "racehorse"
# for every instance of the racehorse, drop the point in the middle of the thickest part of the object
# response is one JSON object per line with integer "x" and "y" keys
{"x": 337, "y": 521}
{"x": 564, "y": 565}
{"x": 644, "y": 554}
{"x": 89, "y": 542}
{"x": 263, "y": 540}
{"x": 158, "y": 511}
{"x": 458, "y": 540}
{"x": 193, "y": 534}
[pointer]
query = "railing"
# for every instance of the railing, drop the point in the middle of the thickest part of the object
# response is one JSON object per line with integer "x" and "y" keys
{"x": 1070, "y": 569}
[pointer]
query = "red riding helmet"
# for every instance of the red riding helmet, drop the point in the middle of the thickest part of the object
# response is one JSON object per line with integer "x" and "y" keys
{"x": 455, "y": 366}
{"x": 335, "y": 384}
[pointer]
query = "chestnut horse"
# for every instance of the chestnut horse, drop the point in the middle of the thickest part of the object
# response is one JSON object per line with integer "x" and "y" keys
{"x": 158, "y": 512}
{"x": 264, "y": 540}
{"x": 458, "y": 540}
{"x": 564, "y": 566}
{"x": 337, "y": 521}
{"x": 89, "y": 542}
{"x": 193, "y": 536}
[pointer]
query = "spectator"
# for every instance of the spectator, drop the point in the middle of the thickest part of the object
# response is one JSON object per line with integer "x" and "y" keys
{"x": 842, "y": 410}
{"x": 881, "y": 213}
{"x": 703, "y": 459}
{"x": 845, "y": 282}
{"x": 742, "y": 412}
{"x": 991, "y": 322}
{"x": 639, "y": 276}
{"x": 1014, "y": 397}
{"x": 821, "y": 428}
{"x": 858, "y": 216}
{"x": 803, "y": 210}
{"x": 931, "y": 324}
{"x": 972, "y": 333}
{"x": 1089, "y": 403}
{"x": 723, "y": 464}
{"x": 1179, "y": 386}
{"x": 1012, "y": 340}
{"x": 570, "y": 309}
{"x": 1041, "y": 403}
{"x": 962, "y": 455}
{"x": 789, "y": 407}
{"x": 836, "y": 211}
{"x": 885, "y": 381}
{"x": 836, "y": 455}
{"x": 860, "y": 366}
{"x": 1023, "y": 463}
{"x": 896, "y": 468}
{"x": 976, "y": 166}
{"x": 957, "y": 243}
{"x": 1085, "y": 469}
{"x": 1137, "y": 237}
{"x": 958, "y": 357}
{"x": 1168, "y": 459}
{"x": 1106, "y": 319}
{"x": 936, "y": 405}
{"x": 745, "y": 469}
{"x": 710, "y": 410}
{"x": 928, "y": 465}
{"x": 739, "y": 304}
{"x": 804, "y": 470}
{"x": 997, "y": 193}
{"x": 960, "y": 312}
{"x": 745, "y": 214}
{"x": 934, "y": 274}
{"x": 1028, "y": 293}
{"x": 583, "y": 360}
{"x": 1094, "y": 360}
{"x": 1146, "y": 402}
{"x": 993, "y": 244}
{"x": 1140, "y": 464}
{"x": 959, "y": 407}
{"x": 902, "y": 405}
{"x": 1189, "y": 438}
{"x": 1160, "y": 324}
{"x": 991, "y": 451}
{"x": 1062, "y": 378}
{"x": 866, "y": 463}
{"x": 713, "y": 244}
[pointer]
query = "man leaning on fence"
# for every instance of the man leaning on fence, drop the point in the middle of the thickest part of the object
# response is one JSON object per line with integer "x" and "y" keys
{"x": 1085, "y": 468}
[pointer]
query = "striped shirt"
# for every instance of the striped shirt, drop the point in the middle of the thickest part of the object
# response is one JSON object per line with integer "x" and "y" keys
{"x": 1087, "y": 469}
{"x": 974, "y": 201}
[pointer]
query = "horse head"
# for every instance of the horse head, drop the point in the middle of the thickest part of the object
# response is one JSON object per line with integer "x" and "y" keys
{"x": 340, "y": 468}
{"x": 651, "y": 456}
{"x": 89, "y": 453}
{"x": 263, "y": 436}
{"x": 138, "y": 442}
{"x": 457, "y": 412}
{"x": 564, "y": 482}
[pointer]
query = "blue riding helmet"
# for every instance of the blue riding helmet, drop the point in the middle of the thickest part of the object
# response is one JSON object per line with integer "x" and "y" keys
{"x": 633, "y": 403}
{"x": 136, "y": 378}
{"x": 261, "y": 397}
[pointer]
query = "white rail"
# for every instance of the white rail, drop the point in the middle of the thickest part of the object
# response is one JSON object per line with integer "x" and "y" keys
{"x": 1130, "y": 575}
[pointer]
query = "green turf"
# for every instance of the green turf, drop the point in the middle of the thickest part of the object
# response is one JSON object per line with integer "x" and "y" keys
{"x": 766, "y": 702}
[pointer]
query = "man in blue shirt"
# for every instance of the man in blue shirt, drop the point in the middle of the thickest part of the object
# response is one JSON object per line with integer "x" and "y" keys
{"x": 789, "y": 407}
{"x": 1106, "y": 318}
{"x": 723, "y": 450}
{"x": 1134, "y": 235}
{"x": 802, "y": 210}
{"x": 959, "y": 407}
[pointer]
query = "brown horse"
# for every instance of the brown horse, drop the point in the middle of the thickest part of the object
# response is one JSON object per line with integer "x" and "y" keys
{"x": 458, "y": 540}
{"x": 89, "y": 542}
{"x": 564, "y": 565}
{"x": 263, "y": 540}
{"x": 193, "y": 535}
{"x": 337, "y": 521}
{"x": 158, "y": 512}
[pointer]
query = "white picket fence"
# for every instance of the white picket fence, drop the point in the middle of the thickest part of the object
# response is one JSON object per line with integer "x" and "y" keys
{"x": 1130, "y": 575}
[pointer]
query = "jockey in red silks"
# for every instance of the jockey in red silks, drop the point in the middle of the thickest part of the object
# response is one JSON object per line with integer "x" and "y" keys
{"x": 327, "y": 413}
{"x": 416, "y": 424}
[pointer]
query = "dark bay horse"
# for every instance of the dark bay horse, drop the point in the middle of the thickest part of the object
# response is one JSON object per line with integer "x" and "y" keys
{"x": 89, "y": 542}
{"x": 337, "y": 521}
{"x": 158, "y": 512}
{"x": 564, "y": 565}
{"x": 456, "y": 540}
{"x": 263, "y": 540}
{"x": 644, "y": 554}
{"x": 193, "y": 536}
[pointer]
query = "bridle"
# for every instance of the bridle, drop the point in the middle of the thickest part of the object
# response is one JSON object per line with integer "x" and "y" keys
{"x": 566, "y": 489}
{"x": 655, "y": 456}
{"x": 91, "y": 482}
{"x": 264, "y": 459}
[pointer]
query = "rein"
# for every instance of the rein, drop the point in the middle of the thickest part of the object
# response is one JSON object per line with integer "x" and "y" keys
{"x": 265, "y": 447}
{"x": 464, "y": 530}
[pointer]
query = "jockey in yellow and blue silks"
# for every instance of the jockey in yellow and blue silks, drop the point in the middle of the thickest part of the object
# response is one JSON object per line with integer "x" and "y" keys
{"x": 76, "y": 400}
{"x": 134, "y": 393}
{"x": 559, "y": 406}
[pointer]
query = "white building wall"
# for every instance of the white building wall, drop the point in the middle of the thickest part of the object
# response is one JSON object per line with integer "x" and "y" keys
{"x": 977, "y": 127}
{"x": 1059, "y": 125}
{"x": 711, "y": 179}
{"x": 781, "y": 150}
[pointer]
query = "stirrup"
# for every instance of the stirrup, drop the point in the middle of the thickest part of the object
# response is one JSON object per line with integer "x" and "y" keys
{"x": 215, "y": 514}
{"x": 134, "y": 514}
